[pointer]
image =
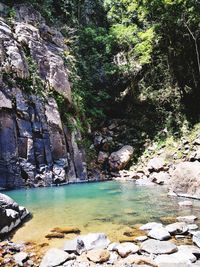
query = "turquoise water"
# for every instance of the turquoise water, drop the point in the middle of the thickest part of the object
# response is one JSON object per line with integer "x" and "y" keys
{"x": 110, "y": 207}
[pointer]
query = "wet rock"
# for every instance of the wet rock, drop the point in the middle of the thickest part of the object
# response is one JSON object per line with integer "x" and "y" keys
{"x": 66, "y": 230}
{"x": 119, "y": 159}
{"x": 20, "y": 258}
{"x": 177, "y": 228}
{"x": 152, "y": 246}
{"x": 126, "y": 248}
{"x": 159, "y": 233}
{"x": 156, "y": 164}
{"x": 54, "y": 257}
{"x": 98, "y": 255}
{"x": 186, "y": 219}
{"x": 55, "y": 235}
{"x": 185, "y": 203}
{"x": 150, "y": 226}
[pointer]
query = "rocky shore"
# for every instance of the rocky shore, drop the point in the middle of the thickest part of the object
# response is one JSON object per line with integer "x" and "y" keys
{"x": 175, "y": 244}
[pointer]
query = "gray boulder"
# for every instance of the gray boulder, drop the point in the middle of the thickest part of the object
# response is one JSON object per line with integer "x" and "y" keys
{"x": 159, "y": 233}
{"x": 196, "y": 238}
{"x": 155, "y": 164}
{"x": 177, "y": 228}
{"x": 119, "y": 159}
{"x": 55, "y": 257}
{"x": 87, "y": 242}
{"x": 152, "y": 246}
{"x": 186, "y": 179}
{"x": 11, "y": 214}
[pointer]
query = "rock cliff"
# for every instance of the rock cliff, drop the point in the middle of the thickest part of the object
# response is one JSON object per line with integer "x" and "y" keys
{"x": 36, "y": 147}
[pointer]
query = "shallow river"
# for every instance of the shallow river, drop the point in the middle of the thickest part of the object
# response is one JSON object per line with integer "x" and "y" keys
{"x": 109, "y": 207}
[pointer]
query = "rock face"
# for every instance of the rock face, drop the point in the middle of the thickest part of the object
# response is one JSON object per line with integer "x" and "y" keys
{"x": 186, "y": 179}
{"x": 119, "y": 159}
{"x": 11, "y": 214}
{"x": 36, "y": 148}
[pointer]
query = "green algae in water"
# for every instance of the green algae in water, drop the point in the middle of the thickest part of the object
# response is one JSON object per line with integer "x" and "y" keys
{"x": 94, "y": 207}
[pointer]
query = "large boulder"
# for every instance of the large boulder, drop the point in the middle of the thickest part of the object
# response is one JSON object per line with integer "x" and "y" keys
{"x": 119, "y": 159}
{"x": 156, "y": 164}
{"x": 11, "y": 214}
{"x": 87, "y": 242}
{"x": 186, "y": 179}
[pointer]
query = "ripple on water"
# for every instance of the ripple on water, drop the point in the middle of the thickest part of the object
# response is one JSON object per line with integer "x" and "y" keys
{"x": 108, "y": 207}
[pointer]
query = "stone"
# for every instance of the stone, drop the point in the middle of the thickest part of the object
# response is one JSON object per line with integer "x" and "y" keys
{"x": 140, "y": 259}
{"x": 66, "y": 230}
{"x": 152, "y": 246}
{"x": 141, "y": 238}
{"x": 20, "y": 258}
{"x": 144, "y": 181}
{"x": 102, "y": 157}
{"x": 126, "y": 248}
{"x": 177, "y": 228}
{"x": 176, "y": 259}
{"x": 184, "y": 174}
{"x": 54, "y": 257}
{"x": 186, "y": 219}
{"x": 11, "y": 214}
{"x": 55, "y": 235}
{"x": 87, "y": 242}
{"x": 150, "y": 226}
{"x": 192, "y": 226}
{"x": 159, "y": 233}
{"x": 119, "y": 159}
{"x": 160, "y": 177}
{"x": 98, "y": 255}
{"x": 196, "y": 238}
{"x": 155, "y": 164}
{"x": 185, "y": 203}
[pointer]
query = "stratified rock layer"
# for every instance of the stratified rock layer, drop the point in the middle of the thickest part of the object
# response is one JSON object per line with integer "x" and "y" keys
{"x": 36, "y": 148}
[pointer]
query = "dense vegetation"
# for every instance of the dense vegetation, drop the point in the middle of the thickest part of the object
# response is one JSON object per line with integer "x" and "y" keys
{"x": 133, "y": 59}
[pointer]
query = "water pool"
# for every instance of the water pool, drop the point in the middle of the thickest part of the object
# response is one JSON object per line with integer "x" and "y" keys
{"x": 109, "y": 207}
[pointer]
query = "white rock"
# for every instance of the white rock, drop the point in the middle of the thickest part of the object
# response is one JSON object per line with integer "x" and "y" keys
{"x": 192, "y": 226}
{"x": 141, "y": 238}
{"x": 54, "y": 257}
{"x": 196, "y": 238}
{"x": 159, "y": 233}
{"x": 152, "y": 246}
{"x": 150, "y": 226}
{"x": 20, "y": 258}
{"x": 177, "y": 228}
{"x": 187, "y": 219}
{"x": 176, "y": 259}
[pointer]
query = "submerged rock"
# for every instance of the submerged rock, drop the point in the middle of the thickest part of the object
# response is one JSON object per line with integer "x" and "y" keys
{"x": 66, "y": 230}
{"x": 187, "y": 219}
{"x": 150, "y": 226}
